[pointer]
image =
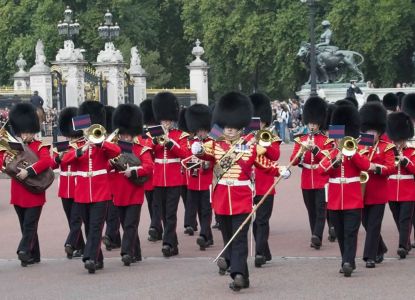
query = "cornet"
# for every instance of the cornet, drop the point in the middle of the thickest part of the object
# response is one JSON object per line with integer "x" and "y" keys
{"x": 348, "y": 146}
{"x": 95, "y": 134}
{"x": 264, "y": 137}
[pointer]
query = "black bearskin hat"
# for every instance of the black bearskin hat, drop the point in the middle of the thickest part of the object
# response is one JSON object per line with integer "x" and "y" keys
{"x": 128, "y": 119}
{"x": 390, "y": 101}
{"x": 262, "y": 107}
{"x": 147, "y": 109}
{"x": 373, "y": 117}
{"x": 373, "y": 98}
{"x": 65, "y": 122}
{"x": 330, "y": 108}
{"x": 315, "y": 111}
{"x": 233, "y": 110}
{"x": 408, "y": 105}
{"x": 109, "y": 111}
{"x": 181, "y": 124}
{"x": 166, "y": 107}
{"x": 95, "y": 110}
{"x": 198, "y": 117}
{"x": 24, "y": 119}
{"x": 349, "y": 116}
{"x": 400, "y": 127}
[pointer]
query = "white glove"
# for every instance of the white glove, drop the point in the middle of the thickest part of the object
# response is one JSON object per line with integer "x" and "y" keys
{"x": 196, "y": 148}
{"x": 285, "y": 173}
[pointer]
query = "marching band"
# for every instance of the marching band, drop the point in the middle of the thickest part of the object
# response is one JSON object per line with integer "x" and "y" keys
{"x": 223, "y": 161}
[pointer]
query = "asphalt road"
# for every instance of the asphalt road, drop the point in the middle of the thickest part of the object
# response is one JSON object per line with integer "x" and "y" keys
{"x": 296, "y": 271}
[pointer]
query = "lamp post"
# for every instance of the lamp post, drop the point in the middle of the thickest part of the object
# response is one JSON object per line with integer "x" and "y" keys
{"x": 107, "y": 30}
{"x": 313, "y": 72}
{"x": 67, "y": 27}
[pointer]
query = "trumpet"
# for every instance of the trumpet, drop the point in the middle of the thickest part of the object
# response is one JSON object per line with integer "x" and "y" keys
{"x": 348, "y": 146}
{"x": 264, "y": 137}
{"x": 95, "y": 134}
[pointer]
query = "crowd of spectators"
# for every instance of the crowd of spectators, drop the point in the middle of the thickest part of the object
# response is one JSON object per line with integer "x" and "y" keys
{"x": 287, "y": 119}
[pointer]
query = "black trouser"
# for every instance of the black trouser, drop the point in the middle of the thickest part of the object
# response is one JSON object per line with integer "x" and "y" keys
{"x": 346, "y": 224}
{"x": 73, "y": 215}
{"x": 198, "y": 203}
{"x": 261, "y": 225}
{"x": 403, "y": 214}
{"x": 113, "y": 224}
{"x": 187, "y": 218}
{"x": 93, "y": 216}
{"x": 372, "y": 217}
{"x": 315, "y": 202}
{"x": 236, "y": 254}
{"x": 149, "y": 197}
{"x": 130, "y": 218}
{"x": 29, "y": 220}
{"x": 168, "y": 200}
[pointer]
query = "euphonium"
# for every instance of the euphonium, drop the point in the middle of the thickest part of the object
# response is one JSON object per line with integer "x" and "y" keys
{"x": 264, "y": 137}
{"x": 348, "y": 146}
{"x": 95, "y": 134}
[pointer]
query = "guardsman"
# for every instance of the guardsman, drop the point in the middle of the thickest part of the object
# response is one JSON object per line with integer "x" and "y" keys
{"x": 312, "y": 181}
{"x": 144, "y": 139}
{"x": 167, "y": 176}
{"x": 375, "y": 196}
{"x": 129, "y": 192}
{"x": 264, "y": 178}
{"x": 199, "y": 174}
{"x": 345, "y": 202}
{"x": 401, "y": 185}
{"x": 233, "y": 157}
{"x": 74, "y": 244}
{"x": 25, "y": 124}
{"x": 92, "y": 188}
{"x": 112, "y": 236}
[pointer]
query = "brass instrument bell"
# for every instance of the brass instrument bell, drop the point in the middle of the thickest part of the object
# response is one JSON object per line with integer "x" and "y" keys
{"x": 348, "y": 146}
{"x": 264, "y": 137}
{"x": 95, "y": 133}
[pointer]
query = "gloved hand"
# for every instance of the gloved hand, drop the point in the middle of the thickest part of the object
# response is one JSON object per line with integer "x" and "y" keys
{"x": 196, "y": 148}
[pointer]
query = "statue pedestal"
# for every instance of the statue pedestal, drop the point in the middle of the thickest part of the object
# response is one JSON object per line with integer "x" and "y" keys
{"x": 140, "y": 86}
{"x": 74, "y": 76}
{"x": 41, "y": 81}
{"x": 113, "y": 74}
{"x": 21, "y": 81}
{"x": 199, "y": 75}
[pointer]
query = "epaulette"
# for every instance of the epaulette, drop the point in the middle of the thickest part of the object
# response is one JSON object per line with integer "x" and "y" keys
{"x": 44, "y": 145}
{"x": 328, "y": 141}
{"x": 145, "y": 148}
{"x": 276, "y": 138}
{"x": 326, "y": 153}
{"x": 389, "y": 146}
{"x": 208, "y": 147}
{"x": 363, "y": 151}
{"x": 183, "y": 135}
{"x": 297, "y": 140}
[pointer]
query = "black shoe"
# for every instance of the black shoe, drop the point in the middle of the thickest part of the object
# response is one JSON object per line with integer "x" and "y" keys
{"x": 69, "y": 251}
{"x": 25, "y": 259}
{"x": 99, "y": 265}
{"x": 259, "y": 261}
{"x": 127, "y": 260}
{"x": 347, "y": 269}
{"x": 223, "y": 265}
{"x": 107, "y": 242}
{"x": 332, "y": 235}
{"x": 189, "y": 230}
{"x": 315, "y": 242}
{"x": 402, "y": 253}
{"x": 78, "y": 253}
{"x": 370, "y": 264}
{"x": 379, "y": 259}
{"x": 413, "y": 245}
{"x": 168, "y": 251}
{"x": 154, "y": 235}
{"x": 215, "y": 226}
{"x": 202, "y": 243}
{"x": 268, "y": 257}
{"x": 239, "y": 282}
{"x": 90, "y": 266}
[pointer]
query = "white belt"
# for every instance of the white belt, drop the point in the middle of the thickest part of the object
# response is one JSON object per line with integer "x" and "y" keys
{"x": 92, "y": 173}
{"x": 167, "y": 160}
{"x": 310, "y": 167}
{"x": 234, "y": 182}
{"x": 396, "y": 176}
{"x": 67, "y": 173}
{"x": 344, "y": 180}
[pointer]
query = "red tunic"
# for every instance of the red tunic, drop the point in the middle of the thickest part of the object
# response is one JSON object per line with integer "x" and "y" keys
{"x": 401, "y": 185}
{"x": 204, "y": 172}
{"x": 233, "y": 194}
{"x": 92, "y": 180}
{"x": 344, "y": 190}
{"x": 125, "y": 192}
{"x": 148, "y": 185}
{"x": 376, "y": 188}
{"x": 310, "y": 178}
{"x": 20, "y": 196}
{"x": 265, "y": 177}
{"x": 167, "y": 167}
